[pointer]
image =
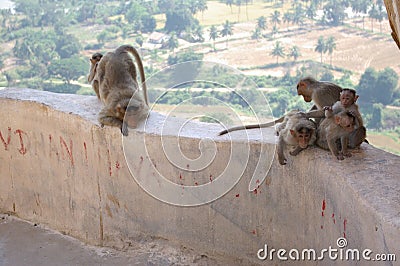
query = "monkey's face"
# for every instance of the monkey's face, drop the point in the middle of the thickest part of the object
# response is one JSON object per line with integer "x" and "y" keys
{"x": 303, "y": 136}
{"x": 347, "y": 99}
{"x": 303, "y": 91}
{"x": 346, "y": 122}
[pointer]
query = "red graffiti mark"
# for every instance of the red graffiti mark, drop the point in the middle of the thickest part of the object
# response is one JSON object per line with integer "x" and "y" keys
{"x": 253, "y": 232}
{"x": 109, "y": 162}
{"x": 180, "y": 176}
{"x": 196, "y": 183}
{"x": 85, "y": 148}
{"x": 258, "y": 181}
{"x": 322, "y": 227}
{"x": 68, "y": 150}
{"x": 211, "y": 178}
{"x": 237, "y": 195}
{"x": 323, "y": 207}
{"x": 22, "y": 149}
{"x": 50, "y": 139}
{"x": 255, "y": 191}
{"x": 344, "y": 227}
{"x": 117, "y": 165}
{"x": 333, "y": 218}
{"x": 8, "y": 139}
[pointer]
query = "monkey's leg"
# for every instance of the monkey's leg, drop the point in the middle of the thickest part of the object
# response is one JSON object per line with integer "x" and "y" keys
{"x": 357, "y": 137}
{"x": 107, "y": 118}
{"x": 333, "y": 148}
{"x": 96, "y": 88}
{"x": 344, "y": 142}
{"x": 281, "y": 147}
{"x": 296, "y": 151}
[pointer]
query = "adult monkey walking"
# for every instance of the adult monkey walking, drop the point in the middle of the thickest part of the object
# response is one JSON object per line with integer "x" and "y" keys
{"x": 115, "y": 76}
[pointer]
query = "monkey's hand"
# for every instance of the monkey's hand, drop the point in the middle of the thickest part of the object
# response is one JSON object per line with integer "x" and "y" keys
{"x": 296, "y": 151}
{"x": 102, "y": 125}
{"x": 282, "y": 161}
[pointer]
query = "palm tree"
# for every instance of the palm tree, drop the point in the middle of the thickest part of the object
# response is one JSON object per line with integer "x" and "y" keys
{"x": 256, "y": 33}
{"x": 330, "y": 46}
{"x": 275, "y": 17}
{"x": 239, "y": 4}
{"x": 213, "y": 35}
{"x": 230, "y": 3}
{"x": 226, "y": 31}
{"x": 321, "y": 47}
{"x": 287, "y": 17}
{"x": 262, "y": 23}
{"x": 278, "y": 51}
{"x": 294, "y": 52}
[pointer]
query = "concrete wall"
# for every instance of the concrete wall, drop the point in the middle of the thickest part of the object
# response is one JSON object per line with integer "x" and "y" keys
{"x": 60, "y": 168}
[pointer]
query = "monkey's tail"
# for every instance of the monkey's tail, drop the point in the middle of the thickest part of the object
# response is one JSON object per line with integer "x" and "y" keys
{"x": 135, "y": 53}
{"x": 269, "y": 124}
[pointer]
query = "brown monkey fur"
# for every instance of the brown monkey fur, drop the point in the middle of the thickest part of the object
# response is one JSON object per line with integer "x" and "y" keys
{"x": 335, "y": 129}
{"x": 347, "y": 102}
{"x": 320, "y": 92}
{"x": 119, "y": 89}
{"x": 94, "y": 61}
{"x": 295, "y": 130}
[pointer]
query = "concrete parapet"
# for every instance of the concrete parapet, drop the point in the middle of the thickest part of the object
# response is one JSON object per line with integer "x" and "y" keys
{"x": 60, "y": 168}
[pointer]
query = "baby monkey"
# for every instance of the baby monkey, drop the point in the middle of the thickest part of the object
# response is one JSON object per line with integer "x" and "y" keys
{"x": 347, "y": 103}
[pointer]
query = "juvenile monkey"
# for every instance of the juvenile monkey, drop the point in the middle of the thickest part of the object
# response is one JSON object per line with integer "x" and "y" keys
{"x": 295, "y": 130}
{"x": 320, "y": 92}
{"x": 333, "y": 129}
{"x": 94, "y": 61}
{"x": 347, "y": 102}
{"x": 119, "y": 90}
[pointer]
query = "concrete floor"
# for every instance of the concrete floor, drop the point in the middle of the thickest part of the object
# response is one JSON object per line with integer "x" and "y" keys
{"x": 23, "y": 243}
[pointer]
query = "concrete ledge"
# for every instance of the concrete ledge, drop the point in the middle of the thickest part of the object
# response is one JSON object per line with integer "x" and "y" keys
{"x": 59, "y": 168}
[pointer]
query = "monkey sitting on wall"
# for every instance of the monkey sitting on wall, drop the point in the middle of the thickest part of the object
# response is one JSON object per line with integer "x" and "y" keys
{"x": 296, "y": 130}
{"x": 347, "y": 102}
{"x": 114, "y": 76}
{"x": 334, "y": 130}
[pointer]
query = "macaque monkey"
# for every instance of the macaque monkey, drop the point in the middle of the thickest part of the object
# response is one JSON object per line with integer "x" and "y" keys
{"x": 347, "y": 102}
{"x": 94, "y": 61}
{"x": 335, "y": 129}
{"x": 295, "y": 130}
{"x": 118, "y": 88}
{"x": 320, "y": 92}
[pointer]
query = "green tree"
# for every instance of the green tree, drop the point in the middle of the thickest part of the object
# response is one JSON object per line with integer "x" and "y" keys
{"x": 330, "y": 46}
{"x": 68, "y": 68}
{"x": 173, "y": 42}
{"x": 321, "y": 46}
{"x": 367, "y": 85}
{"x": 213, "y": 35}
{"x": 385, "y": 86}
{"x": 334, "y": 12}
{"x": 262, "y": 23}
{"x": 275, "y": 17}
{"x": 227, "y": 30}
{"x": 376, "y": 118}
{"x": 311, "y": 12}
{"x": 278, "y": 51}
{"x": 256, "y": 35}
{"x": 360, "y": 6}
{"x": 294, "y": 52}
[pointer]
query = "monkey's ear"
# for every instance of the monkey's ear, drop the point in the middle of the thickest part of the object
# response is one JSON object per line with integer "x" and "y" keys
{"x": 292, "y": 132}
{"x": 356, "y": 97}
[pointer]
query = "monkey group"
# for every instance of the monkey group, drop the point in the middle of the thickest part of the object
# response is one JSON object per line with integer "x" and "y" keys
{"x": 337, "y": 124}
{"x": 114, "y": 80}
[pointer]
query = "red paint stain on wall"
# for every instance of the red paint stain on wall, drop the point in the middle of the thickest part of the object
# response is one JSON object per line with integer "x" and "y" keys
{"x": 211, "y": 178}
{"x": 8, "y": 139}
{"x": 109, "y": 162}
{"x": 67, "y": 149}
{"x": 237, "y": 195}
{"x": 22, "y": 149}
{"x": 85, "y": 148}
{"x": 117, "y": 165}
{"x": 323, "y": 207}
{"x": 344, "y": 227}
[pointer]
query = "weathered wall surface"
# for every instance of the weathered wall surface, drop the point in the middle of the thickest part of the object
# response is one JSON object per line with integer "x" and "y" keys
{"x": 60, "y": 168}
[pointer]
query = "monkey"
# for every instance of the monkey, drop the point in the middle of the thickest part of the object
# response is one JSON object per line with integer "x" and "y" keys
{"x": 334, "y": 130}
{"x": 295, "y": 130}
{"x": 118, "y": 89}
{"x": 347, "y": 102}
{"x": 94, "y": 61}
{"x": 320, "y": 92}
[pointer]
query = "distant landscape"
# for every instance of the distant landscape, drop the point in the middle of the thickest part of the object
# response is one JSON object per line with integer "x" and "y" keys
{"x": 274, "y": 43}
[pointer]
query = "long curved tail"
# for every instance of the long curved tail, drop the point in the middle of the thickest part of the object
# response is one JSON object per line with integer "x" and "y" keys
{"x": 135, "y": 53}
{"x": 269, "y": 124}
